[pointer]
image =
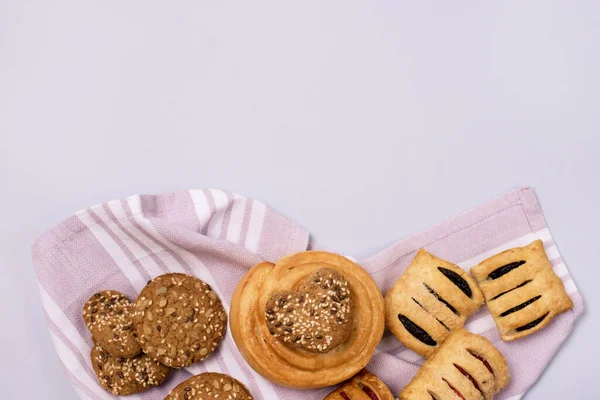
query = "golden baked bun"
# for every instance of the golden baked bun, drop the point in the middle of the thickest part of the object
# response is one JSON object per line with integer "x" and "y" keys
{"x": 312, "y": 319}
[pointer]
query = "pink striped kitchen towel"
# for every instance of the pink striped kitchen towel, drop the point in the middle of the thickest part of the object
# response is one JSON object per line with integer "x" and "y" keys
{"x": 218, "y": 235}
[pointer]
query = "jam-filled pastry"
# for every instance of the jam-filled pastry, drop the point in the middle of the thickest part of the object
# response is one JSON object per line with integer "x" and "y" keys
{"x": 312, "y": 319}
{"x": 362, "y": 386}
{"x": 431, "y": 298}
{"x": 466, "y": 366}
{"x": 521, "y": 290}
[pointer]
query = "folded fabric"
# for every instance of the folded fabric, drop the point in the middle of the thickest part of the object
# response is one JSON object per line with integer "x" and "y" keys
{"x": 217, "y": 236}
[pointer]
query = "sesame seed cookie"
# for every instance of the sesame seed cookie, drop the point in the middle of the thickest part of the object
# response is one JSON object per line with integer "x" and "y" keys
{"x": 179, "y": 320}
{"x": 210, "y": 385}
{"x": 107, "y": 315}
{"x": 123, "y": 376}
{"x": 317, "y": 317}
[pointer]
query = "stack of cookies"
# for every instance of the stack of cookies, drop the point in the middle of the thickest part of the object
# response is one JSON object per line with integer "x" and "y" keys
{"x": 176, "y": 320}
{"x": 117, "y": 357}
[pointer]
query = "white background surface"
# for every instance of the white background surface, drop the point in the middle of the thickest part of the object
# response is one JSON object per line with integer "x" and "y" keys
{"x": 363, "y": 122}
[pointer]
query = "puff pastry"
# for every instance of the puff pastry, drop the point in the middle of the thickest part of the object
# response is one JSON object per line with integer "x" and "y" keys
{"x": 466, "y": 366}
{"x": 432, "y": 298}
{"x": 310, "y": 320}
{"x": 521, "y": 290}
{"x": 362, "y": 386}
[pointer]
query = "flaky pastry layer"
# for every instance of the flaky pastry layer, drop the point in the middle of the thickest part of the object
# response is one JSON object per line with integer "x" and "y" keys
{"x": 521, "y": 290}
{"x": 294, "y": 367}
{"x": 466, "y": 366}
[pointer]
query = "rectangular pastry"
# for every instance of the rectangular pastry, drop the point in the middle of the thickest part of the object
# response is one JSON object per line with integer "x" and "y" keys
{"x": 362, "y": 386}
{"x": 429, "y": 300}
{"x": 466, "y": 366}
{"x": 521, "y": 290}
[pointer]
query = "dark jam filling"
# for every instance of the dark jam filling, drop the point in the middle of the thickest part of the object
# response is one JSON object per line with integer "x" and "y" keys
{"x": 437, "y": 319}
{"x": 484, "y": 361}
{"x": 345, "y": 396}
{"x": 469, "y": 377}
{"x": 416, "y": 331}
{"x": 454, "y": 389}
{"x": 508, "y": 291}
{"x": 433, "y": 395}
{"x": 532, "y": 324}
{"x": 505, "y": 269}
{"x": 440, "y": 298}
{"x": 457, "y": 280}
{"x": 368, "y": 391}
{"x": 520, "y": 306}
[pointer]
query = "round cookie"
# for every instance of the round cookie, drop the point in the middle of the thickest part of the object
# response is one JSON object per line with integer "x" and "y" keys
{"x": 210, "y": 385}
{"x": 123, "y": 376}
{"x": 179, "y": 320}
{"x": 107, "y": 315}
{"x": 317, "y": 317}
